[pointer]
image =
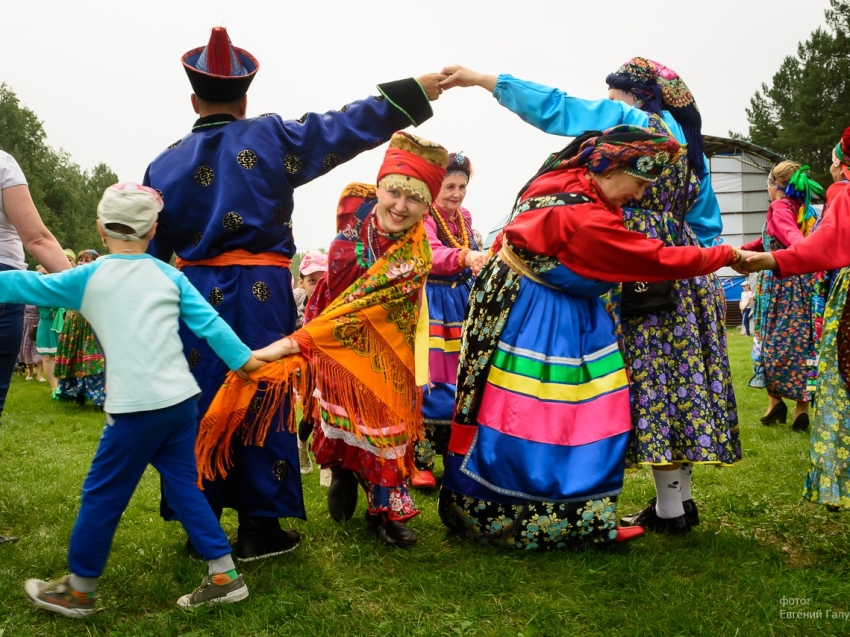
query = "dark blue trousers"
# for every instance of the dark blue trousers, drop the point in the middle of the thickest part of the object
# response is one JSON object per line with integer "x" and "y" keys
{"x": 164, "y": 438}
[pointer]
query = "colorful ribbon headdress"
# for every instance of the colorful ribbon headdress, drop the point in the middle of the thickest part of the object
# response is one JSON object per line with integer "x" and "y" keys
{"x": 801, "y": 187}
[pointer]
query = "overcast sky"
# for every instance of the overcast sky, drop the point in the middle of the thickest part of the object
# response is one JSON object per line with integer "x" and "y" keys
{"x": 105, "y": 76}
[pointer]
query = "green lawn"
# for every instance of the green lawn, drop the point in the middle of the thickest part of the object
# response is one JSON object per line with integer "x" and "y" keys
{"x": 759, "y": 544}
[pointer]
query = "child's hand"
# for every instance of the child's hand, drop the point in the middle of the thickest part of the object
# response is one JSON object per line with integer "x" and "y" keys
{"x": 277, "y": 350}
{"x": 251, "y": 366}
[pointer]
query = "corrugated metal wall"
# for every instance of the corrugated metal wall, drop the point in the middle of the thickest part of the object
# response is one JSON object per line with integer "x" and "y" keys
{"x": 740, "y": 182}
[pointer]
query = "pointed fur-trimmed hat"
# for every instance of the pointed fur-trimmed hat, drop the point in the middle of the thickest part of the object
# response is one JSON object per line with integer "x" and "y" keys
{"x": 219, "y": 71}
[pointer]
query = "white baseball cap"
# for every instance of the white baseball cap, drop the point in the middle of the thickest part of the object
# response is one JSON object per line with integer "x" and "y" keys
{"x": 130, "y": 205}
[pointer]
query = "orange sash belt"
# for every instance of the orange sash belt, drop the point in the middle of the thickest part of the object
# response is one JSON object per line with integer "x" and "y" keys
{"x": 239, "y": 257}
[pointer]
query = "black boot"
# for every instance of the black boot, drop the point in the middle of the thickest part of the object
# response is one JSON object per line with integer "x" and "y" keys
{"x": 261, "y": 537}
{"x": 648, "y": 519}
{"x": 342, "y": 495}
{"x": 390, "y": 532}
{"x": 691, "y": 512}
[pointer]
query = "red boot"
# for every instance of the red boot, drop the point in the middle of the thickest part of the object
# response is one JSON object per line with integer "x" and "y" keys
{"x": 423, "y": 480}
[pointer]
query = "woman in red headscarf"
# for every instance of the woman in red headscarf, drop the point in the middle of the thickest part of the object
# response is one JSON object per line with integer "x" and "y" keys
{"x": 828, "y": 481}
{"x": 357, "y": 350}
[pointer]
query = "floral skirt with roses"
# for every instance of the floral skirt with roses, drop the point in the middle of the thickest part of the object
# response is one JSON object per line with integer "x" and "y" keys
{"x": 682, "y": 400}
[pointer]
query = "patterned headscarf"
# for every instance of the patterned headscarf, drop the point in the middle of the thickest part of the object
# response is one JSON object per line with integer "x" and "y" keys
{"x": 459, "y": 164}
{"x": 660, "y": 88}
{"x": 642, "y": 153}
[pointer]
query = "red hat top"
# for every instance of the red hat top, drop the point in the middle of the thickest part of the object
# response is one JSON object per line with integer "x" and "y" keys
{"x": 220, "y": 72}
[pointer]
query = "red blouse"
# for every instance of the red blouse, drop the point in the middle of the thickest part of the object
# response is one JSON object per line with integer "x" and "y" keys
{"x": 828, "y": 248}
{"x": 592, "y": 241}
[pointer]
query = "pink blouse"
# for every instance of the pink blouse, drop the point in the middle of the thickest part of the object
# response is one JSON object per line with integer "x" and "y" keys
{"x": 445, "y": 260}
{"x": 781, "y": 225}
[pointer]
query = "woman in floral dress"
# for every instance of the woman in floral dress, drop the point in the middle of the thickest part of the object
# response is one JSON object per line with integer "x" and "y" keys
{"x": 828, "y": 481}
{"x": 682, "y": 400}
{"x": 80, "y": 365}
{"x": 785, "y": 344}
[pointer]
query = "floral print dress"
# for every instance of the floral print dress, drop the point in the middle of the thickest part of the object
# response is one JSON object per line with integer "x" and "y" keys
{"x": 682, "y": 401}
{"x": 785, "y": 344}
{"x": 828, "y": 481}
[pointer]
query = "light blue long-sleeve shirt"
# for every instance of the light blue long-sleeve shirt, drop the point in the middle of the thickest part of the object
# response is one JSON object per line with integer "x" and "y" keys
{"x": 553, "y": 111}
{"x": 133, "y": 303}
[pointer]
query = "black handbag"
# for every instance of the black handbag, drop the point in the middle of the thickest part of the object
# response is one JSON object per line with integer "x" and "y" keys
{"x": 640, "y": 298}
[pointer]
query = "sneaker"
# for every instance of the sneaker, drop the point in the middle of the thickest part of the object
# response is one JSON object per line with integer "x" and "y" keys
{"x": 325, "y": 477}
{"x": 210, "y": 592}
{"x": 59, "y": 597}
{"x": 304, "y": 458}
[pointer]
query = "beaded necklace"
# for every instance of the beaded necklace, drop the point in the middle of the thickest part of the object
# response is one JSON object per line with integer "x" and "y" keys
{"x": 446, "y": 234}
{"x": 373, "y": 245}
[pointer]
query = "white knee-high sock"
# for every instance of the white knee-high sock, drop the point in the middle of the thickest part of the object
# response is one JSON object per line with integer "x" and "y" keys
{"x": 669, "y": 491}
{"x": 685, "y": 481}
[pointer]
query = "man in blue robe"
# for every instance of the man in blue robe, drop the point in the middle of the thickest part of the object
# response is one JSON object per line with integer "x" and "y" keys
{"x": 228, "y": 191}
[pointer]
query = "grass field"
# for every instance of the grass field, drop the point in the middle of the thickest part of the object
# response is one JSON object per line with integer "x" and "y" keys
{"x": 759, "y": 545}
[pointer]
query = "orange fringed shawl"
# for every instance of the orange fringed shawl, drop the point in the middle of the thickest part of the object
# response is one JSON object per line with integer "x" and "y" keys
{"x": 359, "y": 351}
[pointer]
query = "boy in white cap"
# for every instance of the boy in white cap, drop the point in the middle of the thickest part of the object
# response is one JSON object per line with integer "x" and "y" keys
{"x": 133, "y": 302}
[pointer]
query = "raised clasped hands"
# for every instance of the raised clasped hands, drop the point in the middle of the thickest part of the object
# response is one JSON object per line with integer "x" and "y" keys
{"x": 476, "y": 261}
{"x": 430, "y": 83}
{"x": 457, "y": 75}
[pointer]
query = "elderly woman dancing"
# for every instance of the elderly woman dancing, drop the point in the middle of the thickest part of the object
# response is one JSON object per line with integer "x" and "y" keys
{"x": 355, "y": 355}
{"x": 683, "y": 407}
{"x": 457, "y": 259}
{"x": 541, "y": 425}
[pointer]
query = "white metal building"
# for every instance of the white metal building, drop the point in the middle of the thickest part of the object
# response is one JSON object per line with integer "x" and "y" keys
{"x": 739, "y": 172}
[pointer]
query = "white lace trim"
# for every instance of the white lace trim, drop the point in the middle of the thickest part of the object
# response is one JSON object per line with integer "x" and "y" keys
{"x": 355, "y": 441}
{"x": 557, "y": 360}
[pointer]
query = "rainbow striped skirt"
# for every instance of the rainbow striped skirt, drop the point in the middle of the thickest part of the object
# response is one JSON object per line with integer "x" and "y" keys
{"x": 543, "y": 398}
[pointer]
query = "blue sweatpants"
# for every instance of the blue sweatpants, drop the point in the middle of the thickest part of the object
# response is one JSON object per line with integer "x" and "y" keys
{"x": 164, "y": 438}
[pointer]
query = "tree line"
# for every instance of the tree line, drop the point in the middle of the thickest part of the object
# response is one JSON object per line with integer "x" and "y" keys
{"x": 65, "y": 195}
{"x": 803, "y": 112}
